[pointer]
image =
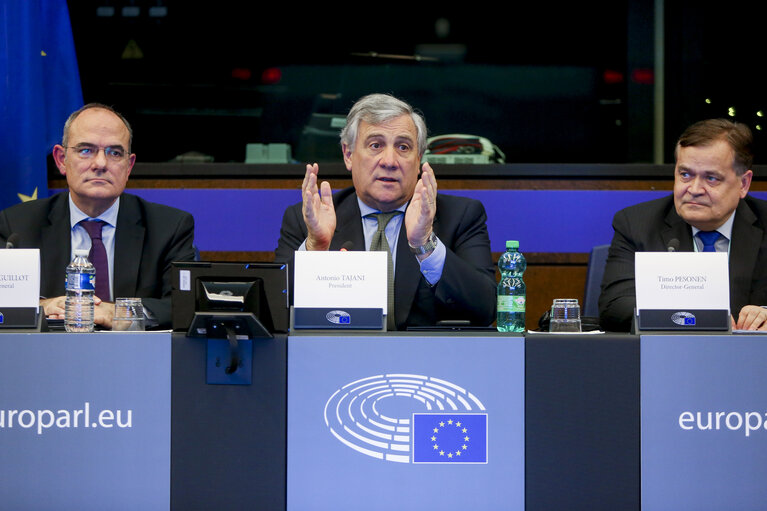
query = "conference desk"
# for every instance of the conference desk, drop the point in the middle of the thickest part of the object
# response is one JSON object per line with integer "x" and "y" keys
{"x": 561, "y": 415}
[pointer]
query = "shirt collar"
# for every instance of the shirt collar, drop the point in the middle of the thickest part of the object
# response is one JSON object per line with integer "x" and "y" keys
{"x": 109, "y": 216}
{"x": 725, "y": 229}
{"x": 367, "y": 210}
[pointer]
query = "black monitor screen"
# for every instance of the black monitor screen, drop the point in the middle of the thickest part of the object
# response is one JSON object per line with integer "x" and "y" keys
{"x": 260, "y": 288}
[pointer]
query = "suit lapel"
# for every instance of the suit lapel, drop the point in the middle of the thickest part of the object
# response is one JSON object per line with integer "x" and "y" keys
{"x": 678, "y": 229}
{"x": 744, "y": 250}
{"x": 129, "y": 243}
{"x": 349, "y": 227}
{"x": 55, "y": 247}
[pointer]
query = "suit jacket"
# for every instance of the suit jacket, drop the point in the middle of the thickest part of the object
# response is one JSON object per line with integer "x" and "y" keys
{"x": 650, "y": 227}
{"x": 148, "y": 237}
{"x": 467, "y": 287}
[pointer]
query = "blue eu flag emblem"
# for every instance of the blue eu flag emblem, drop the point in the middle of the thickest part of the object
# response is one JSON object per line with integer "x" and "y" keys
{"x": 450, "y": 438}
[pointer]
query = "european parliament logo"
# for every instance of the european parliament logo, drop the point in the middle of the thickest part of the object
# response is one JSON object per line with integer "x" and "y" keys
{"x": 683, "y": 318}
{"x": 409, "y": 418}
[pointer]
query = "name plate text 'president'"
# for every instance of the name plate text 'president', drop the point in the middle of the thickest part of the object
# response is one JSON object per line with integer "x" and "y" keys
{"x": 340, "y": 279}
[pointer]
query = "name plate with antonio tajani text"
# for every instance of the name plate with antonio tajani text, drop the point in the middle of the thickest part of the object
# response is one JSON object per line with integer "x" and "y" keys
{"x": 340, "y": 279}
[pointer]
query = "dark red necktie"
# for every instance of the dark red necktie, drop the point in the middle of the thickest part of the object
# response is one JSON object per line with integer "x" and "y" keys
{"x": 98, "y": 257}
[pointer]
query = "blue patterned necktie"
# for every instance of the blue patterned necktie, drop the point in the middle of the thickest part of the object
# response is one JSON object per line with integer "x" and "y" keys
{"x": 709, "y": 239}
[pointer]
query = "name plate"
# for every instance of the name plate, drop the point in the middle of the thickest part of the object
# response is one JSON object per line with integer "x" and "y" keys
{"x": 340, "y": 279}
{"x": 682, "y": 290}
{"x": 20, "y": 278}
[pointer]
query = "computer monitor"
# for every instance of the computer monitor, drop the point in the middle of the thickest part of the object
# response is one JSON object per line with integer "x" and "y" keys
{"x": 209, "y": 297}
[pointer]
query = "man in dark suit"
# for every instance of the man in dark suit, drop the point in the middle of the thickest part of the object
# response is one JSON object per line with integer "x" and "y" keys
{"x": 710, "y": 210}
{"x": 439, "y": 246}
{"x": 140, "y": 239}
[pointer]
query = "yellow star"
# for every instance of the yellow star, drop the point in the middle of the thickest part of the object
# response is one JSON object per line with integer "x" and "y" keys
{"x": 26, "y": 198}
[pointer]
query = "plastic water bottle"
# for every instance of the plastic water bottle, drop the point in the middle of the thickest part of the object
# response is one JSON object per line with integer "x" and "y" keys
{"x": 81, "y": 283}
{"x": 511, "y": 290}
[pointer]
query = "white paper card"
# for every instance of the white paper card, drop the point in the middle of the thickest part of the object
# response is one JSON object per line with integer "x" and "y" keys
{"x": 340, "y": 279}
{"x": 20, "y": 277}
{"x": 673, "y": 280}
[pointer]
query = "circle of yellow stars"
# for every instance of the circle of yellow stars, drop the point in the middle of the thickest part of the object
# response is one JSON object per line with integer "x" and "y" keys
{"x": 457, "y": 424}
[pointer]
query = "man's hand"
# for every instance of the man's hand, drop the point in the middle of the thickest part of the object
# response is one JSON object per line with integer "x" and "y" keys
{"x": 422, "y": 208}
{"x": 53, "y": 307}
{"x": 752, "y": 317}
{"x": 103, "y": 312}
{"x": 319, "y": 212}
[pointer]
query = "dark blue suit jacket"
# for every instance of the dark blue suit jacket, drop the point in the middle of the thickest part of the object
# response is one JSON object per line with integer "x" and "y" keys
{"x": 467, "y": 287}
{"x": 148, "y": 238}
{"x": 650, "y": 227}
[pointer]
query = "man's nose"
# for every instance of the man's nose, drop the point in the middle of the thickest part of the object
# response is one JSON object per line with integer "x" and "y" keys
{"x": 696, "y": 186}
{"x": 389, "y": 157}
{"x": 100, "y": 158}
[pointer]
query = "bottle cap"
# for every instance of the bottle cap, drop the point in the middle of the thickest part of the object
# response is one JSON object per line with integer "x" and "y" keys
{"x": 512, "y": 244}
{"x": 81, "y": 252}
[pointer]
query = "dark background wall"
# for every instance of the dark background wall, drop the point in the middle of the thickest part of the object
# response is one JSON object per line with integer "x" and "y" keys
{"x": 546, "y": 82}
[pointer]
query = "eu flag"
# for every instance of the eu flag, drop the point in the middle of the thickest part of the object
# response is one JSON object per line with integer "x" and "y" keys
{"x": 450, "y": 438}
{"x": 39, "y": 88}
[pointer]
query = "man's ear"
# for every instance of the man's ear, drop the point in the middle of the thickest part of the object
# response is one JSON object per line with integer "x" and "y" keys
{"x": 347, "y": 150}
{"x": 745, "y": 183}
{"x": 60, "y": 156}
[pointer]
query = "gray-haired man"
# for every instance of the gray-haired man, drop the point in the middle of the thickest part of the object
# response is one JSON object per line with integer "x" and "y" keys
{"x": 439, "y": 243}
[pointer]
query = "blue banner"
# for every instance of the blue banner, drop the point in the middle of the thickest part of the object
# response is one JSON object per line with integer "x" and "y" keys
{"x": 397, "y": 422}
{"x": 39, "y": 88}
{"x": 704, "y": 422}
{"x": 86, "y": 426}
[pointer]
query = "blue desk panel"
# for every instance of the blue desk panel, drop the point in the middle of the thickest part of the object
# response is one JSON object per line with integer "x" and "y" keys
{"x": 404, "y": 422}
{"x": 704, "y": 422}
{"x": 85, "y": 421}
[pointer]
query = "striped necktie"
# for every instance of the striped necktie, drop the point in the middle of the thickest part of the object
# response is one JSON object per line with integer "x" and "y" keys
{"x": 380, "y": 243}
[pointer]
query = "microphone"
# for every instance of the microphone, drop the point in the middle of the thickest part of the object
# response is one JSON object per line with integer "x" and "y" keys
{"x": 673, "y": 245}
{"x": 348, "y": 245}
{"x": 12, "y": 240}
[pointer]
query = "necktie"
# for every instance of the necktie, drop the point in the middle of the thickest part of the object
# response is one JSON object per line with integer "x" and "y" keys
{"x": 709, "y": 239}
{"x": 98, "y": 257}
{"x": 380, "y": 243}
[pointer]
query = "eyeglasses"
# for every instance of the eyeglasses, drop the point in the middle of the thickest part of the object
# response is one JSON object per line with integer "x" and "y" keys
{"x": 113, "y": 153}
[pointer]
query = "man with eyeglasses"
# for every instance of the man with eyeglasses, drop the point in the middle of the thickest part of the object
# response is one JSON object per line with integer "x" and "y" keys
{"x": 132, "y": 241}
